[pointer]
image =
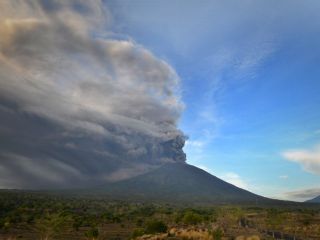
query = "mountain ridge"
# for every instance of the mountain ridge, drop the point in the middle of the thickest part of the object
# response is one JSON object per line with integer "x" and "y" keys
{"x": 314, "y": 200}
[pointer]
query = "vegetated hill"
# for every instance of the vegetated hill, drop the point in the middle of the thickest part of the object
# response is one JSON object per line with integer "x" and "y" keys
{"x": 314, "y": 200}
{"x": 179, "y": 182}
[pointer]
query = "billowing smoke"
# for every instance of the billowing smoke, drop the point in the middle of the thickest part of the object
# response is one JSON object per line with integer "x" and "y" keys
{"x": 78, "y": 106}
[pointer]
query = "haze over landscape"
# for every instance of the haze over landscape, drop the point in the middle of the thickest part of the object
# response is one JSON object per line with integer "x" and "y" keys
{"x": 94, "y": 93}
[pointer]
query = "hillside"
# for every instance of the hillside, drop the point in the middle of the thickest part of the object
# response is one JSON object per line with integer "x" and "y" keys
{"x": 180, "y": 183}
{"x": 314, "y": 200}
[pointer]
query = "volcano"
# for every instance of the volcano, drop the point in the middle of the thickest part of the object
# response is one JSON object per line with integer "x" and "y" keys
{"x": 180, "y": 182}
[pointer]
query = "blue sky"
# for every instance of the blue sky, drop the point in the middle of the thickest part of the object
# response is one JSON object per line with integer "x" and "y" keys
{"x": 249, "y": 73}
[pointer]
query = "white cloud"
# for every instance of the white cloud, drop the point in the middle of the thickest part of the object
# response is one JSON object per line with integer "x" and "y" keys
{"x": 235, "y": 179}
{"x": 309, "y": 159}
{"x": 229, "y": 177}
{"x": 302, "y": 194}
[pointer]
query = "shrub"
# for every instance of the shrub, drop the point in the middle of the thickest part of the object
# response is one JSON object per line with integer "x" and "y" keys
{"x": 217, "y": 234}
{"x": 156, "y": 226}
{"x": 92, "y": 233}
{"x": 192, "y": 218}
{"x": 137, "y": 232}
{"x": 139, "y": 222}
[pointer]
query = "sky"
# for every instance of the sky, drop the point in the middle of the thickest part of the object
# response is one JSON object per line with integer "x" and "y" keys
{"x": 249, "y": 82}
{"x": 105, "y": 90}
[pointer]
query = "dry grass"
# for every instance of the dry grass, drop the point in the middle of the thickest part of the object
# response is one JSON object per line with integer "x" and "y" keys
{"x": 190, "y": 234}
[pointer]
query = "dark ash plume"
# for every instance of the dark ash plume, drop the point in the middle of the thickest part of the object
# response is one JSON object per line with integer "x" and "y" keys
{"x": 76, "y": 108}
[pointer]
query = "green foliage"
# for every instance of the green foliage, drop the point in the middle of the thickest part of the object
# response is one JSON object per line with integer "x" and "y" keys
{"x": 305, "y": 219}
{"x": 155, "y": 226}
{"x": 77, "y": 224}
{"x": 137, "y": 232}
{"x": 50, "y": 225}
{"x": 217, "y": 234}
{"x": 139, "y": 222}
{"x": 5, "y": 225}
{"x": 274, "y": 218}
{"x": 192, "y": 218}
{"x": 92, "y": 233}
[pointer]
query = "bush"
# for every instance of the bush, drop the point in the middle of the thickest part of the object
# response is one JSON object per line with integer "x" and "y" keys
{"x": 156, "y": 226}
{"x": 77, "y": 224}
{"x": 139, "y": 222}
{"x": 217, "y": 234}
{"x": 137, "y": 232}
{"x": 93, "y": 233}
{"x": 192, "y": 218}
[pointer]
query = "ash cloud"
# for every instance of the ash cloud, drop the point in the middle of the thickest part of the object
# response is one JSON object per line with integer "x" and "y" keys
{"x": 78, "y": 107}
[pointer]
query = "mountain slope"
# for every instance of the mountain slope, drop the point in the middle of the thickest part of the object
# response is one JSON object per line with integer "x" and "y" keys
{"x": 314, "y": 200}
{"x": 178, "y": 182}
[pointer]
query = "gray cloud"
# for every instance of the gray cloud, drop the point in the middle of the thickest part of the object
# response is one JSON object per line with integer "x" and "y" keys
{"x": 303, "y": 194}
{"x": 76, "y": 108}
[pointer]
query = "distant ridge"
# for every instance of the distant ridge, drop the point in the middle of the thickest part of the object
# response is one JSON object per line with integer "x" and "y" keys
{"x": 314, "y": 200}
{"x": 180, "y": 182}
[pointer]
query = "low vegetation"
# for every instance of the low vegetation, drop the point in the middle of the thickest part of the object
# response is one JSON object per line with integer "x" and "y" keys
{"x": 27, "y": 215}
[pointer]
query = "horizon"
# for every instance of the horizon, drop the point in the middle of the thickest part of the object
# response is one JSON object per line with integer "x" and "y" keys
{"x": 100, "y": 91}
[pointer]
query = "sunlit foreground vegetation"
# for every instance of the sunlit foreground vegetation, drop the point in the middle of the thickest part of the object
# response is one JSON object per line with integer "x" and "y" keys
{"x": 26, "y": 215}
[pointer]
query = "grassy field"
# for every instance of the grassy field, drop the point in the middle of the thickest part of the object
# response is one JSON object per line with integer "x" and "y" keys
{"x": 31, "y": 215}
